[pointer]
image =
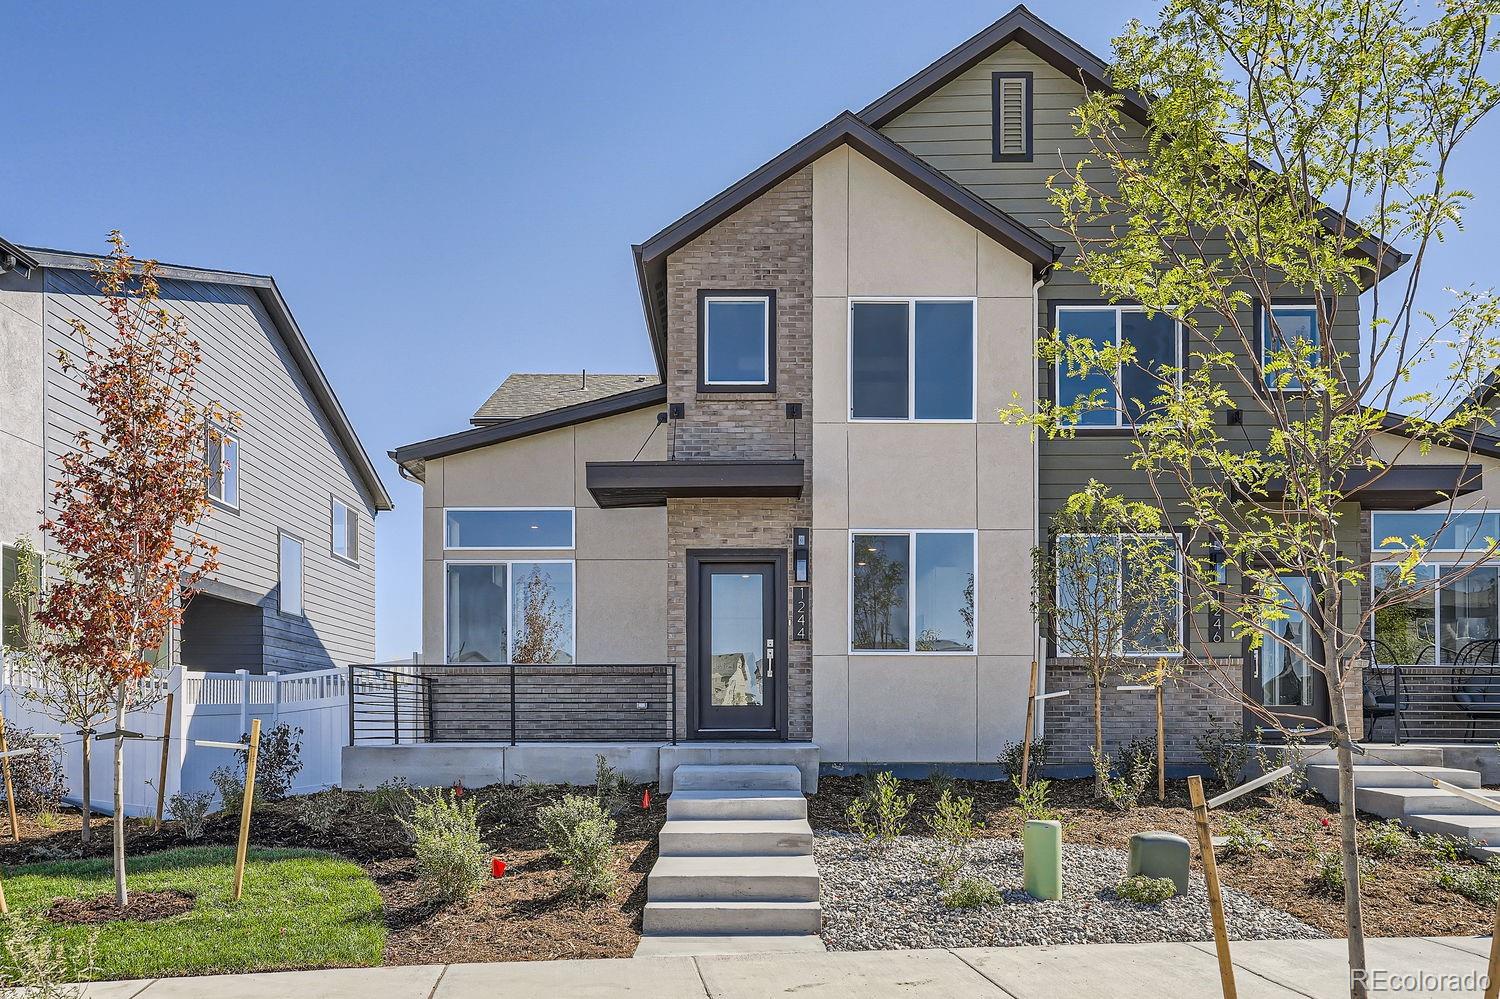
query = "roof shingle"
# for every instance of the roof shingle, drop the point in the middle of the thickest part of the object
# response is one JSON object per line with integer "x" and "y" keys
{"x": 524, "y": 394}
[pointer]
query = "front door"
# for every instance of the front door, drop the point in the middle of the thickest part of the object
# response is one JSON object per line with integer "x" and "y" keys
{"x": 735, "y": 656}
{"x": 1280, "y": 678}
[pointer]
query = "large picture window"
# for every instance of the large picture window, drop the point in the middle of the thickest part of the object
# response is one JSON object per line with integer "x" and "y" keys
{"x": 912, "y": 591}
{"x": 499, "y": 612}
{"x": 1286, "y": 329}
{"x": 736, "y": 341}
{"x": 507, "y": 528}
{"x": 1433, "y": 613}
{"x": 1157, "y": 342}
{"x": 1120, "y": 586}
{"x": 911, "y": 359}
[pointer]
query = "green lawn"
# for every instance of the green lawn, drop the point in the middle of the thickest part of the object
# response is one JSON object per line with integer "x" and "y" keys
{"x": 300, "y": 909}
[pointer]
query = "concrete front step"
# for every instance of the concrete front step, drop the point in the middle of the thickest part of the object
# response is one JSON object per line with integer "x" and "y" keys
{"x": 736, "y": 837}
{"x": 726, "y": 943}
{"x": 1409, "y": 756}
{"x": 1482, "y": 830}
{"x": 802, "y": 755}
{"x": 731, "y": 916}
{"x": 1399, "y": 802}
{"x": 726, "y": 879}
{"x": 744, "y": 804}
{"x": 738, "y": 777}
{"x": 1325, "y": 777}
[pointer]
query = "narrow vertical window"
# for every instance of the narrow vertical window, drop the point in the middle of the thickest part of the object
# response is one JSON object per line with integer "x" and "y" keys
{"x": 1012, "y": 117}
{"x": 289, "y": 575}
{"x": 1287, "y": 332}
{"x": 345, "y": 531}
{"x": 476, "y": 609}
{"x": 17, "y": 600}
{"x": 222, "y": 456}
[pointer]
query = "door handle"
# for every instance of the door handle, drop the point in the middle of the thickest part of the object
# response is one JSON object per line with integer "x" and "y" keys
{"x": 770, "y": 657}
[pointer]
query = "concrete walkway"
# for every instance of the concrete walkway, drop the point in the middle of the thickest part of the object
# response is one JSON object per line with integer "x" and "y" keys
{"x": 1438, "y": 967}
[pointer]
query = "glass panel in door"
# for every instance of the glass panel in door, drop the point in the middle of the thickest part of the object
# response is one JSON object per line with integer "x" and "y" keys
{"x": 737, "y": 655}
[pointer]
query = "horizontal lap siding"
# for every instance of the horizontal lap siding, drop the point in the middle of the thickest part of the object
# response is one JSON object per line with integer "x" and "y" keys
{"x": 291, "y": 464}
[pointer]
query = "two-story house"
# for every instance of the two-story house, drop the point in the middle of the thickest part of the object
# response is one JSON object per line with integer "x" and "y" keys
{"x": 810, "y": 513}
{"x": 294, "y": 492}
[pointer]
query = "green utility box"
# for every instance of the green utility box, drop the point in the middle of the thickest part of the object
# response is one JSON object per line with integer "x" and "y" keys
{"x": 1041, "y": 844}
{"x": 1161, "y": 855}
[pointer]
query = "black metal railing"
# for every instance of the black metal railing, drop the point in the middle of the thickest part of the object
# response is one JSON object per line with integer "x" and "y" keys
{"x": 512, "y": 702}
{"x": 1445, "y": 703}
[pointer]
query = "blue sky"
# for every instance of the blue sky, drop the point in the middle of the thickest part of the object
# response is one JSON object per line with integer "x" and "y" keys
{"x": 448, "y": 192}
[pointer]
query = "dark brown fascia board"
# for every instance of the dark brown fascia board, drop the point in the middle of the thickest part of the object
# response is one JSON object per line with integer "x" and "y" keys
{"x": 1479, "y": 443}
{"x": 651, "y": 483}
{"x": 1403, "y": 487}
{"x": 525, "y": 426}
{"x": 270, "y": 297}
{"x": 846, "y": 129}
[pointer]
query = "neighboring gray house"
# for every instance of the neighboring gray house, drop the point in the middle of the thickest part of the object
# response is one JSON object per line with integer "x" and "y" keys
{"x": 810, "y": 512}
{"x": 295, "y": 503}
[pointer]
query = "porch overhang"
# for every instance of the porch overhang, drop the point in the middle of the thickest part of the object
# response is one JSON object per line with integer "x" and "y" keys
{"x": 651, "y": 483}
{"x": 1404, "y": 487}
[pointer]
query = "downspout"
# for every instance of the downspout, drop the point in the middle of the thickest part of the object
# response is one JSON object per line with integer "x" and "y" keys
{"x": 1038, "y": 646}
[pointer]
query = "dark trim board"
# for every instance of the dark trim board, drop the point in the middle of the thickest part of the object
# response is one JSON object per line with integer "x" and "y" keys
{"x": 696, "y": 558}
{"x": 651, "y": 483}
{"x": 1030, "y": 120}
{"x": 769, "y": 294}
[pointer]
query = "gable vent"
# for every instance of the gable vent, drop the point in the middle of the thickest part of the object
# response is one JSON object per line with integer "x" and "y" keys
{"x": 1012, "y": 117}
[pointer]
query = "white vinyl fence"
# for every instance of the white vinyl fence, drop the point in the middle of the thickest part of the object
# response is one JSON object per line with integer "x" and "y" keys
{"x": 213, "y": 706}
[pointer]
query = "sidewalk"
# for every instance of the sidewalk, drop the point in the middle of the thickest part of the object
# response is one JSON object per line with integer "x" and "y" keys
{"x": 1280, "y": 969}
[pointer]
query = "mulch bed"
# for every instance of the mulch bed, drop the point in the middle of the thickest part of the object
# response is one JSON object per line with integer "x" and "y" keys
{"x": 143, "y": 907}
{"x": 1401, "y": 898}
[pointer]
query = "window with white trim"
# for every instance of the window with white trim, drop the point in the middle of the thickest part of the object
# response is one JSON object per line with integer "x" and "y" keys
{"x": 737, "y": 342}
{"x": 911, "y": 359}
{"x": 1133, "y": 563}
{"x": 912, "y": 591}
{"x": 1157, "y": 340}
{"x": 514, "y": 528}
{"x": 513, "y": 611}
{"x": 289, "y": 575}
{"x": 345, "y": 531}
{"x": 222, "y": 456}
{"x": 1287, "y": 330}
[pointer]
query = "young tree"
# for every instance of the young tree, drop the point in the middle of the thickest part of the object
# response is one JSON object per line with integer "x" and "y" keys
{"x": 127, "y": 500}
{"x": 1105, "y": 590}
{"x": 1285, "y": 147}
{"x": 61, "y": 689}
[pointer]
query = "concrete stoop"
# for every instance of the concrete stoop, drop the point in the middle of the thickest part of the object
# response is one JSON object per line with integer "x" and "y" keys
{"x": 1406, "y": 794}
{"x": 735, "y": 872}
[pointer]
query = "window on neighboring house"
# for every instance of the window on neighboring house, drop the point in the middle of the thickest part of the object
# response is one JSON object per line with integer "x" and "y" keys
{"x": 16, "y": 599}
{"x": 1286, "y": 676}
{"x": 345, "y": 531}
{"x": 507, "y": 528}
{"x": 1157, "y": 342}
{"x": 1122, "y": 600}
{"x": 911, "y": 359}
{"x": 1284, "y": 330}
{"x": 223, "y": 460}
{"x": 737, "y": 341}
{"x": 912, "y": 591}
{"x": 289, "y": 575}
{"x": 500, "y": 612}
{"x": 1012, "y": 117}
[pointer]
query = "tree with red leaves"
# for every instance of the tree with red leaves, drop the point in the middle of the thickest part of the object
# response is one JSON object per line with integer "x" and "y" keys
{"x": 128, "y": 501}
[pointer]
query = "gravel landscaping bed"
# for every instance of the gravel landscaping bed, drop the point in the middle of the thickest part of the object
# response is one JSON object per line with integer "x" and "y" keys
{"x": 892, "y": 901}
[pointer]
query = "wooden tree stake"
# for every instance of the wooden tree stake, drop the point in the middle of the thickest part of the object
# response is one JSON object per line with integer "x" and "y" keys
{"x": 1211, "y": 875}
{"x": 166, "y": 751}
{"x": 1030, "y": 726}
{"x": 10, "y": 791}
{"x": 1161, "y": 744}
{"x": 4, "y": 905}
{"x": 245, "y": 805}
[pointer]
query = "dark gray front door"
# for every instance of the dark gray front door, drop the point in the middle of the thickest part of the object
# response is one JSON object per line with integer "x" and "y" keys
{"x": 736, "y": 661}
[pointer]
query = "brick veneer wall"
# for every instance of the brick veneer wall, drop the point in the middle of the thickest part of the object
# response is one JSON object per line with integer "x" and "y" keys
{"x": 765, "y": 245}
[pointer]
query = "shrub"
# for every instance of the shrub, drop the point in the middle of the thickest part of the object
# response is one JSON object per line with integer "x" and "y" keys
{"x": 49, "y": 820}
{"x": 450, "y": 852}
{"x": 35, "y": 965}
{"x": 879, "y": 816}
{"x": 1010, "y": 757}
{"x": 1244, "y": 840}
{"x": 1224, "y": 752}
{"x": 320, "y": 811}
{"x": 1032, "y": 799}
{"x": 1476, "y": 882}
{"x": 1439, "y": 848}
{"x": 938, "y": 782}
{"x": 1291, "y": 788}
{"x": 582, "y": 836}
{"x": 1146, "y": 891}
{"x": 391, "y": 797}
{"x": 1122, "y": 790}
{"x": 609, "y": 787}
{"x": 1386, "y": 839}
{"x": 231, "y": 787}
{"x": 1328, "y": 870}
{"x": 971, "y": 893}
{"x": 191, "y": 809}
{"x": 277, "y": 762}
{"x": 952, "y": 826}
{"x": 38, "y": 779}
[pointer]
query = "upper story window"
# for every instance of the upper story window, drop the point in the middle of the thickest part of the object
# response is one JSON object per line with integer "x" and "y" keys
{"x": 1287, "y": 330}
{"x": 222, "y": 456}
{"x": 289, "y": 575}
{"x": 345, "y": 530}
{"x": 506, "y": 527}
{"x": 1012, "y": 117}
{"x": 1157, "y": 342}
{"x": 911, "y": 359}
{"x": 18, "y": 576}
{"x": 736, "y": 341}
{"x": 911, "y": 591}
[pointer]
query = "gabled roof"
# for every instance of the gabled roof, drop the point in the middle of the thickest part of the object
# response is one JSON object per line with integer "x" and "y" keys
{"x": 1474, "y": 440}
{"x": 846, "y": 129}
{"x": 265, "y": 289}
{"x": 527, "y": 394}
{"x": 412, "y": 456}
{"x": 1482, "y": 394}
